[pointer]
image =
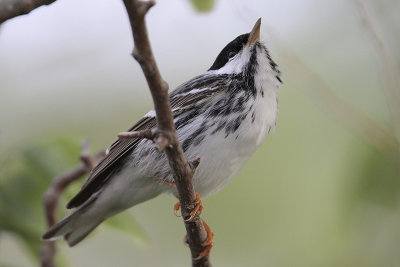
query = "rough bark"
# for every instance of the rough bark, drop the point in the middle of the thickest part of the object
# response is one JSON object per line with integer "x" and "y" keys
{"x": 166, "y": 137}
{"x": 13, "y": 8}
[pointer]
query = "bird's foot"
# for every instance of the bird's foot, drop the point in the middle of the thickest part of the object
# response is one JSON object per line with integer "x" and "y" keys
{"x": 207, "y": 244}
{"x": 198, "y": 208}
{"x": 177, "y": 206}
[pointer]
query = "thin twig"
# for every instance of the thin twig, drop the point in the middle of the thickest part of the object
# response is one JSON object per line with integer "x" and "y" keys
{"x": 52, "y": 195}
{"x": 194, "y": 163}
{"x": 166, "y": 136}
{"x": 159, "y": 137}
{"x": 148, "y": 134}
{"x": 13, "y": 8}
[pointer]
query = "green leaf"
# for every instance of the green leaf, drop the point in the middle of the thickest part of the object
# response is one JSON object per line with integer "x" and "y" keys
{"x": 25, "y": 176}
{"x": 203, "y": 5}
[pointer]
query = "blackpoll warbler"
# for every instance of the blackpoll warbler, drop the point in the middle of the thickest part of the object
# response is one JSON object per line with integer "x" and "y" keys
{"x": 221, "y": 116}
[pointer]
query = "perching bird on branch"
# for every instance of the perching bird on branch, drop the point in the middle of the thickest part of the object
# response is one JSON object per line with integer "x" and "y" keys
{"x": 221, "y": 116}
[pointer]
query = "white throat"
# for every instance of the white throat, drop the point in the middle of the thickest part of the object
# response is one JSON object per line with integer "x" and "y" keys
{"x": 236, "y": 64}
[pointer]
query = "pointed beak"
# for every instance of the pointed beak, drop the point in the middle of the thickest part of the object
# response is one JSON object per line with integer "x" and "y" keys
{"x": 254, "y": 34}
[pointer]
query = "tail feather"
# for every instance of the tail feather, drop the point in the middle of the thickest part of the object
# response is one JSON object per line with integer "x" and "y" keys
{"x": 74, "y": 228}
{"x": 77, "y": 235}
{"x": 61, "y": 228}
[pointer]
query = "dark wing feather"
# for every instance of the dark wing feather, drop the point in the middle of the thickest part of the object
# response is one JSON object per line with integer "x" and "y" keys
{"x": 182, "y": 98}
{"x": 104, "y": 170}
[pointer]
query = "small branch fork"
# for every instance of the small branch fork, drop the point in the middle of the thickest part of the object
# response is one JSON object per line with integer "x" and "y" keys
{"x": 160, "y": 138}
{"x": 52, "y": 195}
{"x": 13, "y": 8}
{"x": 165, "y": 135}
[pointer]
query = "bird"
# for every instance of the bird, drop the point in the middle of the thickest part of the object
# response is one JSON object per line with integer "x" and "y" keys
{"x": 221, "y": 116}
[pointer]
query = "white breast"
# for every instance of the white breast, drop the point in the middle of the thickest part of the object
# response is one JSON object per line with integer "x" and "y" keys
{"x": 222, "y": 157}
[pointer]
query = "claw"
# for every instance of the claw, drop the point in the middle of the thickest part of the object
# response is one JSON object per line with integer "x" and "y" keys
{"x": 197, "y": 209}
{"x": 176, "y": 208}
{"x": 208, "y": 244}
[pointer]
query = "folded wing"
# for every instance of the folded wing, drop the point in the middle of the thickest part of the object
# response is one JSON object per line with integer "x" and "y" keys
{"x": 182, "y": 99}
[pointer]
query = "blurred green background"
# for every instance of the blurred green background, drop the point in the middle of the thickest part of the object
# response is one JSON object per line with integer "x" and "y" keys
{"x": 323, "y": 190}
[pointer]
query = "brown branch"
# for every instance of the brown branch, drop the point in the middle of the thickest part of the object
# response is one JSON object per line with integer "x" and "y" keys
{"x": 194, "y": 163}
{"x": 13, "y": 8}
{"x": 166, "y": 135}
{"x": 52, "y": 196}
{"x": 148, "y": 134}
{"x": 160, "y": 138}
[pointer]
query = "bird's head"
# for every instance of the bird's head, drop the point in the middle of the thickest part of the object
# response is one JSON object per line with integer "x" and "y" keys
{"x": 244, "y": 55}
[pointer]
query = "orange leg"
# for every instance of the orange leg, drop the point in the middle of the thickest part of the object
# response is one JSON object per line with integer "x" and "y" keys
{"x": 177, "y": 206}
{"x": 173, "y": 185}
{"x": 209, "y": 243}
{"x": 196, "y": 211}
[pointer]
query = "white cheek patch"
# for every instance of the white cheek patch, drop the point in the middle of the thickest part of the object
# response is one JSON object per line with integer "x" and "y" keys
{"x": 236, "y": 64}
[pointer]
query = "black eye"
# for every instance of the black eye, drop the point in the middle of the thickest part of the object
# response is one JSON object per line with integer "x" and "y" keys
{"x": 231, "y": 54}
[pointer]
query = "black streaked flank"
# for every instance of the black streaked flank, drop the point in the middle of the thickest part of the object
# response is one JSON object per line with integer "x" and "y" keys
{"x": 219, "y": 127}
{"x": 196, "y": 137}
{"x": 197, "y": 141}
{"x": 253, "y": 117}
{"x": 182, "y": 121}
